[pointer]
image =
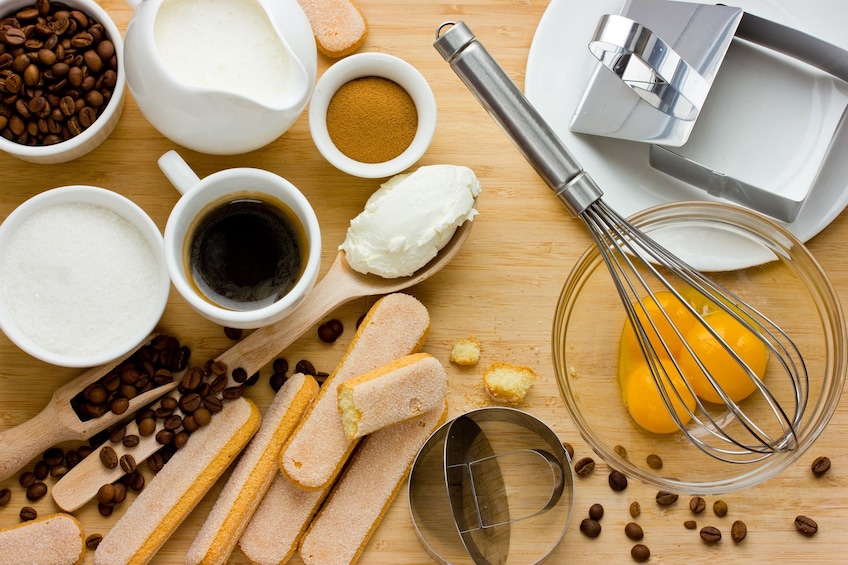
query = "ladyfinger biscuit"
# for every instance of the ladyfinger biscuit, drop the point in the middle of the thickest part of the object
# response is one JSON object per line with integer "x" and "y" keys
{"x": 175, "y": 490}
{"x": 254, "y": 473}
{"x": 53, "y": 539}
{"x": 276, "y": 527}
{"x": 360, "y": 498}
{"x": 396, "y": 325}
{"x": 339, "y": 26}
{"x": 397, "y": 391}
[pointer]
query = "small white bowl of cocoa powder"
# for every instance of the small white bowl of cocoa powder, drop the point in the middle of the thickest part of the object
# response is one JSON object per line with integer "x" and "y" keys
{"x": 372, "y": 115}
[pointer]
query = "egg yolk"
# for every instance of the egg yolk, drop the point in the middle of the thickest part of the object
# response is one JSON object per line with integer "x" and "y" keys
{"x": 652, "y": 312}
{"x": 645, "y": 403}
{"x": 728, "y": 373}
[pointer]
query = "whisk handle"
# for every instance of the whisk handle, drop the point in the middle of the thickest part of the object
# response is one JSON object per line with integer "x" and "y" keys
{"x": 522, "y": 123}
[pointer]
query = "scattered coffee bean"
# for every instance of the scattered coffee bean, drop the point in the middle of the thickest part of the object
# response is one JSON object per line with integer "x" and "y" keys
{"x": 232, "y": 392}
{"x": 5, "y": 496}
{"x": 697, "y": 504}
{"x": 92, "y": 541}
{"x": 155, "y": 462}
{"x": 305, "y": 367}
{"x": 710, "y": 534}
{"x": 120, "y": 492}
{"x": 252, "y": 379}
{"x": 190, "y": 402}
{"x": 233, "y": 333}
{"x": 105, "y": 509}
{"x": 28, "y": 513}
{"x": 654, "y": 461}
{"x": 568, "y": 449}
{"x": 181, "y": 439}
{"x": 213, "y": 404}
{"x": 36, "y": 491}
{"x": 54, "y": 456}
{"x": 596, "y": 511}
{"x": 738, "y": 531}
{"x": 720, "y": 508}
{"x": 665, "y": 498}
{"x": 128, "y": 464}
{"x": 41, "y": 470}
{"x": 621, "y": 451}
{"x": 58, "y": 471}
{"x": 72, "y": 459}
{"x": 137, "y": 481}
{"x": 280, "y": 365}
{"x": 820, "y": 466}
{"x": 690, "y": 524}
{"x": 635, "y": 509}
{"x": 634, "y": 531}
{"x": 27, "y": 479}
{"x": 117, "y": 435}
{"x": 108, "y": 457}
{"x": 806, "y": 526}
{"x": 640, "y": 553}
{"x": 584, "y": 466}
{"x": 106, "y": 493}
{"x": 202, "y": 416}
{"x": 320, "y": 377}
{"x": 130, "y": 441}
{"x": 239, "y": 374}
{"x": 617, "y": 481}
{"x": 590, "y": 528}
{"x": 164, "y": 437}
{"x": 277, "y": 381}
{"x": 330, "y": 331}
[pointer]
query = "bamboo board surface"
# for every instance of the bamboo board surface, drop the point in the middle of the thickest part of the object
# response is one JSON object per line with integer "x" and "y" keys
{"x": 501, "y": 288}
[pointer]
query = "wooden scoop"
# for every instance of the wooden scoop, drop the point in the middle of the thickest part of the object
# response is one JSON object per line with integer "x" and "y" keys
{"x": 341, "y": 284}
{"x": 59, "y": 422}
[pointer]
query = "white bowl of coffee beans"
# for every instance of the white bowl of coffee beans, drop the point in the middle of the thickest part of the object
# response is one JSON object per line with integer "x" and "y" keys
{"x": 372, "y": 115}
{"x": 61, "y": 78}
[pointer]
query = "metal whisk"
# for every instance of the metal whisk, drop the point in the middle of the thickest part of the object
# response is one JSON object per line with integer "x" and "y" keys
{"x": 640, "y": 267}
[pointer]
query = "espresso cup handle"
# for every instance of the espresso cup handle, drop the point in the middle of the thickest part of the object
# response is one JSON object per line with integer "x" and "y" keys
{"x": 178, "y": 171}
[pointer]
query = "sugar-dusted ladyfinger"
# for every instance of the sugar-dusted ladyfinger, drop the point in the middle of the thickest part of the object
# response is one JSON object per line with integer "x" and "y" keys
{"x": 254, "y": 473}
{"x": 396, "y": 325}
{"x": 397, "y": 391}
{"x": 360, "y": 498}
{"x": 339, "y": 26}
{"x": 175, "y": 490}
{"x": 53, "y": 539}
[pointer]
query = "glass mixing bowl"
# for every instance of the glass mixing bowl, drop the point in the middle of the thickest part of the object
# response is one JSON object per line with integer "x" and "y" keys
{"x": 771, "y": 270}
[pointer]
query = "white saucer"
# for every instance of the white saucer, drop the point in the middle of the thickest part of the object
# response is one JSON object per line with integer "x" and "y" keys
{"x": 559, "y": 67}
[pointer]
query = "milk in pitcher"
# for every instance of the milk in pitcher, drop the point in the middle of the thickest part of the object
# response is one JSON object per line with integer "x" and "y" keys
{"x": 227, "y": 45}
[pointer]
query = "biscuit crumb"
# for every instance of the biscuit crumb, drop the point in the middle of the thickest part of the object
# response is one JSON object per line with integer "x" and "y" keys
{"x": 466, "y": 352}
{"x": 508, "y": 383}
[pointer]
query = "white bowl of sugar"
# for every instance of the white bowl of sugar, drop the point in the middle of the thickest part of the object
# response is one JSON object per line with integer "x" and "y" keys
{"x": 82, "y": 276}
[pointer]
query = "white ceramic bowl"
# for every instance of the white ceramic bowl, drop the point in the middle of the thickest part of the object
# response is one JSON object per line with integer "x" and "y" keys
{"x": 198, "y": 196}
{"x": 379, "y": 65}
{"x": 97, "y": 339}
{"x": 103, "y": 126}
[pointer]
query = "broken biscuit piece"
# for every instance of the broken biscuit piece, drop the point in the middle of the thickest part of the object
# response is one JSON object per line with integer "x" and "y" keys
{"x": 465, "y": 352}
{"x": 508, "y": 383}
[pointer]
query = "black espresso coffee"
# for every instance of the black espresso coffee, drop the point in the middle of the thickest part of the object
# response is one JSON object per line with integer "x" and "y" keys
{"x": 247, "y": 252}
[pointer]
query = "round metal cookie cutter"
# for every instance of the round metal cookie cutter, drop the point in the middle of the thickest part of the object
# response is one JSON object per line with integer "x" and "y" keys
{"x": 487, "y": 480}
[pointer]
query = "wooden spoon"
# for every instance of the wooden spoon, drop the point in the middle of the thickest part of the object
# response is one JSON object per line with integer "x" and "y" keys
{"x": 341, "y": 284}
{"x": 58, "y": 421}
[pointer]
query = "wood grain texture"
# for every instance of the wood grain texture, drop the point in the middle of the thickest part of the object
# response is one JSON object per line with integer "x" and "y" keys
{"x": 502, "y": 288}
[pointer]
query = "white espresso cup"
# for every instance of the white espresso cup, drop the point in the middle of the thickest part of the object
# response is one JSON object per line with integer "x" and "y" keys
{"x": 242, "y": 246}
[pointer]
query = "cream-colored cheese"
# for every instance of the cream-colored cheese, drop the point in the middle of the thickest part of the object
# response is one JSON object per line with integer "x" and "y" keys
{"x": 409, "y": 219}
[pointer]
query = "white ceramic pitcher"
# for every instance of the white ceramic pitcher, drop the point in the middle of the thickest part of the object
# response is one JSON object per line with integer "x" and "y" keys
{"x": 219, "y": 121}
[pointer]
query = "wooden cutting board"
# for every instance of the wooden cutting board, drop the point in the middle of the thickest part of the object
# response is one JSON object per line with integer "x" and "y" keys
{"x": 501, "y": 288}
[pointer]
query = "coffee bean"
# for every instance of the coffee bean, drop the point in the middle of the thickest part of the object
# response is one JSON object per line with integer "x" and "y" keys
{"x": 232, "y": 392}
{"x": 41, "y": 470}
{"x": 190, "y": 402}
{"x": 130, "y": 441}
{"x": 277, "y": 381}
{"x": 590, "y": 528}
{"x": 634, "y": 531}
{"x": 280, "y": 365}
{"x": 621, "y": 451}
{"x": 181, "y": 439}
{"x": 28, "y": 513}
{"x": 58, "y": 471}
{"x": 640, "y": 553}
{"x": 820, "y": 466}
{"x": 252, "y": 379}
{"x": 218, "y": 368}
{"x": 219, "y": 384}
{"x": 117, "y": 435}
{"x": 120, "y": 492}
{"x": 164, "y": 436}
{"x": 36, "y": 491}
{"x": 635, "y": 509}
{"x": 26, "y": 479}
{"x": 806, "y": 526}
{"x": 128, "y": 464}
{"x": 710, "y": 534}
{"x": 697, "y": 504}
{"x": 305, "y": 367}
{"x": 690, "y": 524}
{"x": 617, "y": 481}
{"x": 568, "y": 449}
{"x": 5, "y": 496}
{"x": 202, "y": 416}
{"x": 92, "y": 541}
{"x": 189, "y": 424}
{"x": 105, "y": 509}
{"x": 720, "y": 508}
{"x": 665, "y": 498}
{"x": 239, "y": 374}
{"x": 54, "y": 456}
{"x": 192, "y": 379}
{"x": 330, "y": 331}
{"x": 213, "y": 404}
{"x": 106, "y": 493}
{"x": 232, "y": 333}
{"x": 173, "y": 422}
{"x": 155, "y": 462}
{"x": 596, "y": 511}
{"x": 738, "y": 531}
{"x": 119, "y": 406}
{"x": 584, "y": 466}
{"x": 108, "y": 457}
{"x": 654, "y": 461}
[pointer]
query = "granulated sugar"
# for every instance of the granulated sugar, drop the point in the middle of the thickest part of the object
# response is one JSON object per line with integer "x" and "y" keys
{"x": 78, "y": 279}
